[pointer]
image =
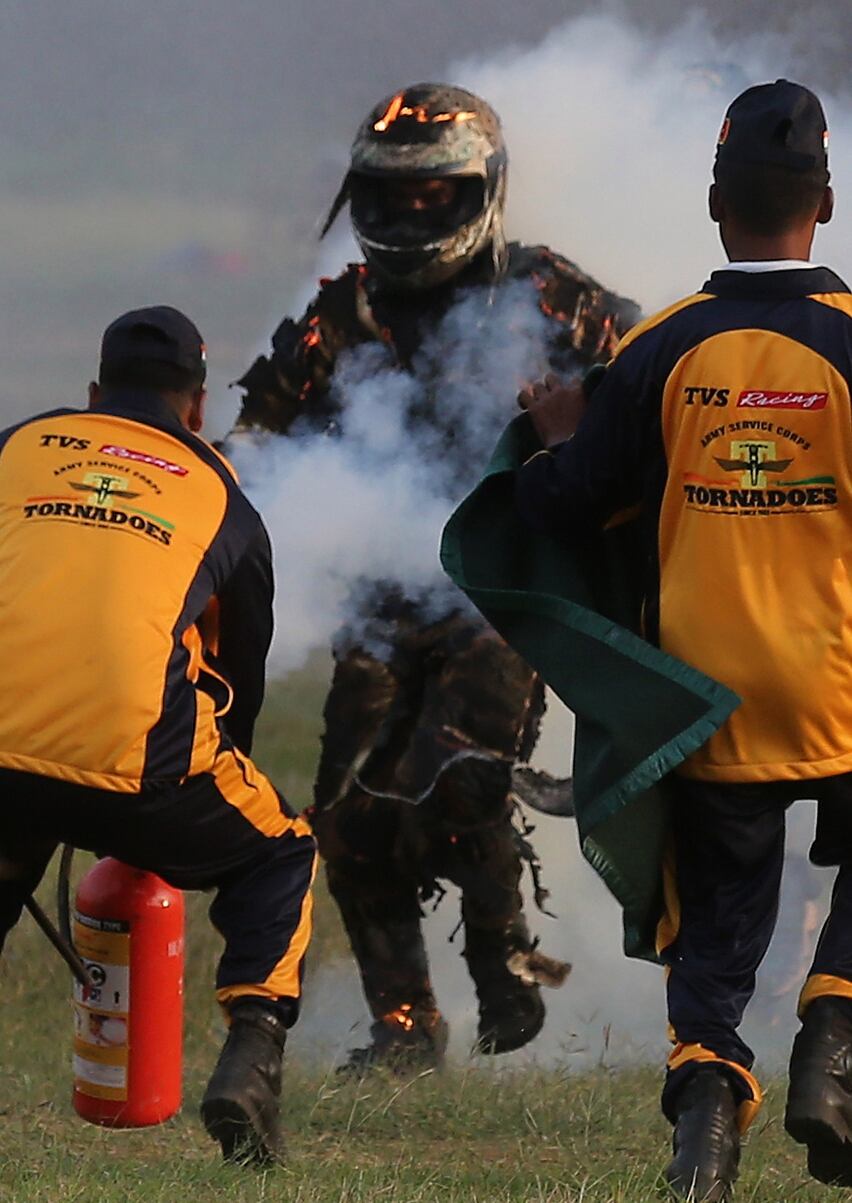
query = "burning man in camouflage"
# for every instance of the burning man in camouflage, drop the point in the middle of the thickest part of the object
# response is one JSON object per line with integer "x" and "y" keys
{"x": 444, "y": 716}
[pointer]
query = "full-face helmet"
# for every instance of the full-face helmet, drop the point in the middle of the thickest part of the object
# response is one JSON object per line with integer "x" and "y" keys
{"x": 426, "y": 185}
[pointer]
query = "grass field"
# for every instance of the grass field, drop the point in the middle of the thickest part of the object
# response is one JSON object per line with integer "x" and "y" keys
{"x": 474, "y": 1134}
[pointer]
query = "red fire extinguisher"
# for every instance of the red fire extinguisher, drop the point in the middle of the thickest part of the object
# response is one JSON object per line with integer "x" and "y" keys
{"x": 128, "y": 930}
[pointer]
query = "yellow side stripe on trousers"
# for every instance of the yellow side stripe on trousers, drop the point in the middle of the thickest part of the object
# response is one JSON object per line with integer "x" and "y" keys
{"x": 682, "y": 1054}
{"x": 821, "y": 985}
{"x": 285, "y": 979}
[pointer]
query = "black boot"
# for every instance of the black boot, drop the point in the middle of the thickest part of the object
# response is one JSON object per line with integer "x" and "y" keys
{"x": 511, "y": 1011}
{"x": 819, "y": 1101}
{"x": 381, "y": 913}
{"x": 706, "y": 1140}
{"x": 240, "y": 1105}
{"x": 404, "y": 1042}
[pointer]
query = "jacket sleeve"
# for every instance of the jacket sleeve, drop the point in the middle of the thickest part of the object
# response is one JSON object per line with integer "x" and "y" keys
{"x": 293, "y": 382}
{"x": 245, "y": 633}
{"x": 579, "y": 485}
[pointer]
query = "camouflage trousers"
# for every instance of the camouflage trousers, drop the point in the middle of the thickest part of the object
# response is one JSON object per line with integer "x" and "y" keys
{"x": 439, "y": 721}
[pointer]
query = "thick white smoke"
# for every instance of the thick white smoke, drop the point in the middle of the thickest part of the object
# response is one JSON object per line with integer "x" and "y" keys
{"x": 611, "y": 135}
{"x": 368, "y": 501}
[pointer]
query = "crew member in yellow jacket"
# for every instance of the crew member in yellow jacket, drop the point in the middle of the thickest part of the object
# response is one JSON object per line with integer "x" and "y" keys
{"x": 727, "y": 419}
{"x": 136, "y": 604}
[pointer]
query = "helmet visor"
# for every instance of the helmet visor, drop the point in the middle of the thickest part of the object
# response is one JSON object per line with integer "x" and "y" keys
{"x": 413, "y": 211}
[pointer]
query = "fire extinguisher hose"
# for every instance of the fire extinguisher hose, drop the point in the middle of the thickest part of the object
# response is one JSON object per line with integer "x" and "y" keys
{"x": 63, "y": 893}
{"x": 61, "y": 939}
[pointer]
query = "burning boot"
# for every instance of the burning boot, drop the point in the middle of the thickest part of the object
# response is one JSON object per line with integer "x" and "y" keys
{"x": 406, "y": 1041}
{"x": 819, "y": 1102}
{"x": 240, "y": 1105}
{"x": 506, "y": 968}
{"x": 408, "y": 1031}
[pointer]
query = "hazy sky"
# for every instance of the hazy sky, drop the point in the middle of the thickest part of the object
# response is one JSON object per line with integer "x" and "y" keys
{"x": 184, "y": 151}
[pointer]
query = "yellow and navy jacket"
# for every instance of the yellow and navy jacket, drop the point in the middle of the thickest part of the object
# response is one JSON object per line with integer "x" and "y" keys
{"x": 727, "y": 419}
{"x": 135, "y": 598}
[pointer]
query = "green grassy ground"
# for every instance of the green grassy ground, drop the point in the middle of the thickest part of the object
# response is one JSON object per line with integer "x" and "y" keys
{"x": 472, "y": 1134}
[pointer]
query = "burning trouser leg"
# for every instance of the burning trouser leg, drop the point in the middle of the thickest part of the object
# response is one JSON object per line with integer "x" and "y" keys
{"x": 364, "y": 693}
{"x": 380, "y": 910}
{"x": 487, "y": 704}
{"x": 483, "y": 860}
{"x": 357, "y": 836}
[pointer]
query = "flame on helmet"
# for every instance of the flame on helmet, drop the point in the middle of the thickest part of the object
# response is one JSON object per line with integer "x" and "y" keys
{"x": 398, "y": 108}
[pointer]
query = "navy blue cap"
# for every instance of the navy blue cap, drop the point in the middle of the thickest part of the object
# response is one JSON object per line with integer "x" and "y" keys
{"x": 776, "y": 125}
{"x": 158, "y": 333}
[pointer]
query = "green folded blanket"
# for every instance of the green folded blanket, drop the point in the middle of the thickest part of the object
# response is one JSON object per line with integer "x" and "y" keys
{"x": 572, "y": 614}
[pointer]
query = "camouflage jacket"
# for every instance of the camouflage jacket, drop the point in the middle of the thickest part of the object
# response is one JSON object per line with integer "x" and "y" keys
{"x": 294, "y": 381}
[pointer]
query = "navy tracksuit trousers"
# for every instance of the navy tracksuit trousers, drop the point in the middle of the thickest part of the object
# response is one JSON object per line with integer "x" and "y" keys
{"x": 728, "y": 855}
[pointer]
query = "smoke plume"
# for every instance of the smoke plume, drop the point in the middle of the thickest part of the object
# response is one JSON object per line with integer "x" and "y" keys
{"x": 367, "y": 502}
{"x": 611, "y": 135}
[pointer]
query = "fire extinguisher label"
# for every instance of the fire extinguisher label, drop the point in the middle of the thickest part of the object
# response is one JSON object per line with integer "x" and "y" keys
{"x": 101, "y": 1010}
{"x": 100, "y": 1081}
